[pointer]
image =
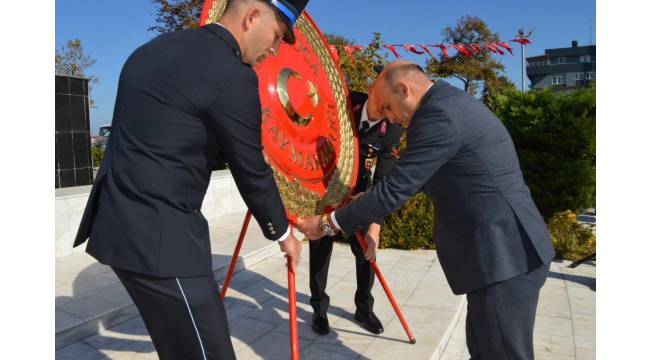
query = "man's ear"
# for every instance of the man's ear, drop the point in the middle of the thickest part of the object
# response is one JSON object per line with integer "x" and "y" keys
{"x": 402, "y": 89}
{"x": 253, "y": 14}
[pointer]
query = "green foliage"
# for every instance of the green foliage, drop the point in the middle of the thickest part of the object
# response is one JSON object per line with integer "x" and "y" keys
{"x": 174, "y": 15}
{"x": 474, "y": 70}
{"x": 495, "y": 90}
{"x": 410, "y": 227}
{"x": 571, "y": 240}
{"x": 98, "y": 155}
{"x": 359, "y": 70}
{"x": 71, "y": 60}
{"x": 555, "y": 137}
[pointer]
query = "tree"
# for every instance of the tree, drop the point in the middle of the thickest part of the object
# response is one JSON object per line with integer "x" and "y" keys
{"x": 494, "y": 91}
{"x": 473, "y": 71}
{"x": 174, "y": 15}
{"x": 71, "y": 60}
{"x": 358, "y": 70}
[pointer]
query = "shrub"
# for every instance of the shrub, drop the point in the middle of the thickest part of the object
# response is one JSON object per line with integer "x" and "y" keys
{"x": 410, "y": 227}
{"x": 98, "y": 155}
{"x": 571, "y": 240}
{"x": 555, "y": 137}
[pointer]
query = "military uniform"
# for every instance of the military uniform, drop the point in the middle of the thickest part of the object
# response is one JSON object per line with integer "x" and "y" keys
{"x": 185, "y": 101}
{"x": 378, "y": 143}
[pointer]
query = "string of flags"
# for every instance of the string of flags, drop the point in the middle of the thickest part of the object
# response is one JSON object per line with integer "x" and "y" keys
{"x": 466, "y": 50}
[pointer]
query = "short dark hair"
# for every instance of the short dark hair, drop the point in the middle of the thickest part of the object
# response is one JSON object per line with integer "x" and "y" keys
{"x": 230, "y": 4}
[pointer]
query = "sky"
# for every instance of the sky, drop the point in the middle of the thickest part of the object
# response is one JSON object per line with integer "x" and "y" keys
{"x": 111, "y": 30}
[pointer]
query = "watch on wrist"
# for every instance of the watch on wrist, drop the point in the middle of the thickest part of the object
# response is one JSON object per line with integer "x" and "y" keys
{"x": 326, "y": 227}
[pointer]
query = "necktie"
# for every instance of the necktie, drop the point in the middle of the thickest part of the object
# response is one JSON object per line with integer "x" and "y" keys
{"x": 364, "y": 127}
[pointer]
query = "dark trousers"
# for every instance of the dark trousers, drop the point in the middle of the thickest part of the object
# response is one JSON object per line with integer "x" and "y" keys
{"x": 184, "y": 316}
{"x": 501, "y": 317}
{"x": 320, "y": 252}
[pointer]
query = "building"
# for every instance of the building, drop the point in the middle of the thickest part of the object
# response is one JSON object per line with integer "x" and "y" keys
{"x": 563, "y": 68}
{"x": 72, "y": 133}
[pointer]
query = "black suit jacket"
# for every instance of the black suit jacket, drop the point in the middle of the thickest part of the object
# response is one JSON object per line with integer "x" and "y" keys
{"x": 185, "y": 100}
{"x": 487, "y": 227}
{"x": 386, "y": 141}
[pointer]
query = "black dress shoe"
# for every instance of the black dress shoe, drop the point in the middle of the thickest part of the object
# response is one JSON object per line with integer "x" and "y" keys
{"x": 370, "y": 322}
{"x": 320, "y": 324}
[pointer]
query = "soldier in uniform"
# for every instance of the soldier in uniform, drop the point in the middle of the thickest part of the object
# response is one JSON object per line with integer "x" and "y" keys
{"x": 185, "y": 101}
{"x": 378, "y": 142}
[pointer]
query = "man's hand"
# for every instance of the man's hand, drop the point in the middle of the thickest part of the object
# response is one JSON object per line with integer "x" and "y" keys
{"x": 372, "y": 241}
{"x": 310, "y": 226}
{"x": 292, "y": 248}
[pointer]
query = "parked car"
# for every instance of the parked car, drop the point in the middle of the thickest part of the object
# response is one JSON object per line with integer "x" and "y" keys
{"x": 101, "y": 139}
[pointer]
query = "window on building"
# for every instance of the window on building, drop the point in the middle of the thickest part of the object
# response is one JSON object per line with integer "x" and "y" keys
{"x": 590, "y": 75}
{"x": 559, "y": 60}
{"x": 580, "y": 76}
{"x": 585, "y": 58}
{"x": 558, "y": 79}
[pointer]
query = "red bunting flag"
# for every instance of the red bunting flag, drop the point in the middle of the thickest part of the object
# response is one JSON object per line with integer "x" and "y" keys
{"x": 393, "y": 50}
{"x": 335, "y": 53}
{"x": 466, "y": 50}
{"x": 443, "y": 48}
{"x": 413, "y": 49}
{"x": 461, "y": 49}
{"x": 425, "y": 48}
{"x": 348, "y": 51}
{"x": 505, "y": 45}
{"x": 494, "y": 48}
{"x": 522, "y": 41}
{"x": 476, "y": 48}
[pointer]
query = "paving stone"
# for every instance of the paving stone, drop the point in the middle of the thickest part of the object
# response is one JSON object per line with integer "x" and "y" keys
{"x": 583, "y": 300}
{"x": 119, "y": 337}
{"x": 428, "y": 329}
{"x": 542, "y": 354}
{"x": 553, "y": 301}
{"x": 274, "y": 312}
{"x": 83, "y": 287}
{"x": 108, "y": 299}
{"x": 455, "y": 346}
{"x": 584, "y": 328}
{"x": 63, "y": 320}
{"x": 450, "y": 356}
{"x": 585, "y": 354}
{"x": 246, "y": 331}
{"x": 235, "y": 311}
{"x": 275, "y": 345}
{"x": 136, "y": 350}
{"x": 435, "y": 297}
{"x": 553, "y": 334}
{"x": 345, "y": 342}
{"x": 315, "y": 353}
{"x": 566, "y": 316}
{"x": 78, "y": 351}
{"x": 257, "y": 310}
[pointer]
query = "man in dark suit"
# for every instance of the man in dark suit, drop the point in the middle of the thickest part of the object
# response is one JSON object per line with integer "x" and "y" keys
{"x": 378, "y": 142}
{"x": 186, "y": 100}
{"x": 491, "y": 240}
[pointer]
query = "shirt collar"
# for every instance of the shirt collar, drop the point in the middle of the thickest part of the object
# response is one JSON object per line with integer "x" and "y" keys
{"x": 364, "y": 117}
